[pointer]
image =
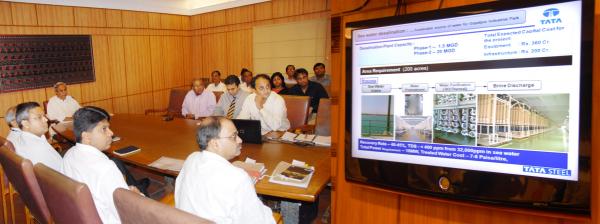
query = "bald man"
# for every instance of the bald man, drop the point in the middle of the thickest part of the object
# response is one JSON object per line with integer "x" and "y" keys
{"x": 198, "y": 102}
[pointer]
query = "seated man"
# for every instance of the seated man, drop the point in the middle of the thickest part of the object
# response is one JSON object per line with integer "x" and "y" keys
{"x": 266, "y": 106}
{"x": 216, "y": 84}
{"x": 231, "y": 101}
{"x": 211, "y": 187}
{"x": 11, "y": 120}
{"x": 320, "y": 76}
{"x": 86, "y": 163}
{"x": 308, "y": 88}
{"x": 198, "y": 103}
{"x": 31, "y": 143}
{"x": 246, "y": 77}
{"x": 289, "y": 71}
{"x": 62, "y": 106}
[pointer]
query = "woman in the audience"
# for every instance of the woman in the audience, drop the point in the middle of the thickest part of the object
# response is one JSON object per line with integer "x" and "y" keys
{"x": 266, "y": 106}
{"x": 277, "y": 84}
{"x": 289, "y": 71}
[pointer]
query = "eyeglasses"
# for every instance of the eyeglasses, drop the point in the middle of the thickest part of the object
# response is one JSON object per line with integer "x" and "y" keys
{"x": 232, "y": 137}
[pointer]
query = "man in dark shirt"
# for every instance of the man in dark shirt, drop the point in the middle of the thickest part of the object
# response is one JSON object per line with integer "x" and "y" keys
{"x": 309, "y": 88}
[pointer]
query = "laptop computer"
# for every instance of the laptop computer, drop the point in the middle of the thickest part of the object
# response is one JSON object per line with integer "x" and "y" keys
{"x": 248, "y": 130}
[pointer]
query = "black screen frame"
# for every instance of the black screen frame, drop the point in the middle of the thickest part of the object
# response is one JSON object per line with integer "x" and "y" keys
{"x": 376, "y": 173}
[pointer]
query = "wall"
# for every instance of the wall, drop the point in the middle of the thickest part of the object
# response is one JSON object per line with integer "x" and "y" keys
{"x": 358, "y": 204}
{"x": 138, "y": 56}
{"x": 222, "y": 40}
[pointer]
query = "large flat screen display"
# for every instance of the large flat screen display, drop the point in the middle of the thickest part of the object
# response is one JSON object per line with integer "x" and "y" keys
{"x": 496, "y": 90}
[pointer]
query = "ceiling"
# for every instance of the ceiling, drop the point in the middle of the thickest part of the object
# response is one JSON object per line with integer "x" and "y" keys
{"x": 179, "y": 7}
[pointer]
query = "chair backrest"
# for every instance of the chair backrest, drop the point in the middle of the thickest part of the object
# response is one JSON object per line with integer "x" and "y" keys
{"x": 5, "y": 142}
{"x": 45, "y": 103}
{"x": 134, "y": 208}
{"x": 297, "y": 110}
{"x": 218, "y": 95}
{"x": 323, "y": 123}
{"x": 20, "y": 174}
{"x": 176, "y": 98}
{"x": 68, "y": 200}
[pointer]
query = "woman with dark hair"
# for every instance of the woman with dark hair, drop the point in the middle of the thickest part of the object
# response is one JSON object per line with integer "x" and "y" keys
{"x": 277, "y": 83}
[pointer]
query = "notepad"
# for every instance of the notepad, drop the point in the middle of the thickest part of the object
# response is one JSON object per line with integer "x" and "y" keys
{"x": 168, "y": 163}
{"x": 292, "y": 175}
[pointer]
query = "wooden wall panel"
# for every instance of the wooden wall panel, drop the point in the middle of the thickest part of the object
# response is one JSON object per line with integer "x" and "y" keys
{"x": 51, "y": 15}
{"x": 8, "y": 100}
{"x": 154, "y": 21}
{"x": 98, "y": 90}
{"x": 186, "y": 22}
{"x": 160, "y": 99}
{"x": 114, "y": 18}
{"x": 187, "y": 60}
{"x": 414, "y": 210}
{"x": 117, "y": 66}
{"x": 137, "y": 60}
{"x": 212, "y": 19}
{"x": 172, "y": 22}
{"x": 104, "y": 104}
{"x": 263, "y": 11}
{"x": 6, "y": 15}
{"x": 173, "y": 61}
{"x": 310, "y": 6}
{"x": 239, "y": 51}
{"x": 213, "y": 55}
{"x": 242, "y": 14}
{"x": 157, "y": 65}
{"x": 196, "y": 22}
{"x": 135, "y": 19}
{"x": 23, "y": 14}
{"x": 139, "y": 103}
{"x": 283, "y": 8}
{"x": 196, "y": 56}
{"x": 120, "y": 105}
{"x": 35, "y": 95}
{"x": 89, "y": 17}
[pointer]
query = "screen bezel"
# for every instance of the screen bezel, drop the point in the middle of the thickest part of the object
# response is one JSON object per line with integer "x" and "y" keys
{"x": 376, "y": 180}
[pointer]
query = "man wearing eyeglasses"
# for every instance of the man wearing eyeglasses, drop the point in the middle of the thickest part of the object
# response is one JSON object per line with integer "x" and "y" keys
{"x": 209, "y": 186}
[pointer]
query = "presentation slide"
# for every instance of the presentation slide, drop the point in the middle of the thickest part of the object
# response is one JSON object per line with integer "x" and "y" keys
{"x": 495, "y": 92}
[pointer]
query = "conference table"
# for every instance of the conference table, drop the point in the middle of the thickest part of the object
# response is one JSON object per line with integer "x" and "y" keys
{"x": 176, "y": 139}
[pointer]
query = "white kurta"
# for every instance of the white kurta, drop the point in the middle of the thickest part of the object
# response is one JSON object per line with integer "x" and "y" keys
{"x": 221, "y": 87}
{"x": 246, "y": 87}
{"x": 210, "y": 187}
{"x": 38, "y": 150}
{"x": 86, "y": 164}
{"x": 60, "y": 109}
{"x": 13, "y": 135}
{"x": 273, "y": 115}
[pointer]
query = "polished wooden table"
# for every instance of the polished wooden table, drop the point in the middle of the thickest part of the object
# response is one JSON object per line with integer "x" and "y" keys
{"x": 176, "y": 139}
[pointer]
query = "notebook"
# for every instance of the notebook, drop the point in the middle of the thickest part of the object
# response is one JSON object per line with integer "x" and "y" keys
{"x": 248, "y": 130}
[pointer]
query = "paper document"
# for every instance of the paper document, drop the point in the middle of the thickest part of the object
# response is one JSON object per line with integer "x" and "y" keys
{"x": 168, "y": 163}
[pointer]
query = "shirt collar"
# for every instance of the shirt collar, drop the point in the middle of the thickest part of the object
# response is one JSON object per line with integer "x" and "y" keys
{"x": 90, "y": 149}
{"x": 31, "y": 135}
{"x": 214, "y": 157}
{"x": 15, "y": 129}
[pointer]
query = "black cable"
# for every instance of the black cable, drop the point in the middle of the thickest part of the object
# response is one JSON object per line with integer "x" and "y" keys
{"x": 441, "y": 2}
{"x": 359, "y": 8}
{"x": 400, "y": 6}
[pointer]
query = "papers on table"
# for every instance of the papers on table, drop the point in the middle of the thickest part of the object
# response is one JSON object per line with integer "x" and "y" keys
{"x": 168, "y": 163}
{"x": 306, "y": 138}
{"x": 296, "y": 174}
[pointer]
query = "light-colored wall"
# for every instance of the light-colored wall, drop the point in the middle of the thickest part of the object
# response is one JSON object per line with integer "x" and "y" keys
{"x": 299, "y": 43}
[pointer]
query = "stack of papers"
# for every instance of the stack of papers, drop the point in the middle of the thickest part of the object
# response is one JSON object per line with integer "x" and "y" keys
{"x": 306, "y": 138}
{"x": 168, "y": 163}
{"x": 296, "y": 175}
{"x": 254, "y": 170}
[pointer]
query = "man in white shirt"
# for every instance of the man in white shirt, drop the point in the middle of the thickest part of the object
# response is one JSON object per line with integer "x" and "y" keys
{"x": 210, "y": 187}
{"x": 11, "y": 120}
{"x": 216, "y": 85}
{"x": 231, "y": 102}
{"x": 198, "y": 103}
{"x": 86, "y": 163}
{"x": 62, "y": 106}
{"x": 290, "y": 80}
{"x": 246, "y": 77}
{"x": 266, "y": 106}
{"x": 31, "y": 143}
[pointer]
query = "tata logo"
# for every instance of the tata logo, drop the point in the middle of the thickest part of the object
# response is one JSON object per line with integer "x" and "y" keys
{"x": 550, "y": 15}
